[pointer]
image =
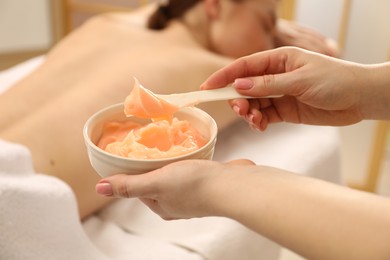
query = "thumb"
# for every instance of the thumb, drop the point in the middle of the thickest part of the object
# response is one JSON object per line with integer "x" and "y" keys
{"x": 125, "y": 186}
{"x": 266, "y": 85}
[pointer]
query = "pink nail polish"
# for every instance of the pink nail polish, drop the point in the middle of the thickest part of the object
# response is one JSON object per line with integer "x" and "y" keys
{"x": 104, "y": 188}
{"x": 236, "y": 109}
{"x": 250, "y": 118}
{"x": 243, "y": 84}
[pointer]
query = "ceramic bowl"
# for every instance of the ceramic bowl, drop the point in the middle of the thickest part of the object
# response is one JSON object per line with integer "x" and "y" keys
{"x": 106, "y": 164}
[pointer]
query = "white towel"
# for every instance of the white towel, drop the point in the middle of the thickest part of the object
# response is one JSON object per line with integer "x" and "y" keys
{"x": 38, "y": 213}
{"x": 215, "y": 238}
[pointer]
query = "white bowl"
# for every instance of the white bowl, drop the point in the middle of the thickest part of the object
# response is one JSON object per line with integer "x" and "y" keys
{"x": 106, "y": 164}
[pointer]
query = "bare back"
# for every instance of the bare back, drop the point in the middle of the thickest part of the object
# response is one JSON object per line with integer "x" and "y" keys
{"x": 90, "y": 69}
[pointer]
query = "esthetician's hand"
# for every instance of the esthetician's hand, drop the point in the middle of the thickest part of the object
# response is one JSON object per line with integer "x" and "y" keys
{"x": 316, "y": 89}
{"x": 180, "y": 190}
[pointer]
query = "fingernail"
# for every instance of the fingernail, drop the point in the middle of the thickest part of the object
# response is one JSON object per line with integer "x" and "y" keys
{"x": 250, "y": 118}
{"x": 236, "y": 109}
{"x": 104, "y": 188}
{"x": 243, "y": 83}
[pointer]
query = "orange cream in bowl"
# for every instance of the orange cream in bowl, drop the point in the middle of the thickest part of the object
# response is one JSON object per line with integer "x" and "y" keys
{"x": 160, "y": 139}
{"x": 117, "y": 143}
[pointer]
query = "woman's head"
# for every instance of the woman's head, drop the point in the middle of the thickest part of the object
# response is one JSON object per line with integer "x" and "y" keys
{"x": 232, "y": 28}
{"x": 172, "y": 9}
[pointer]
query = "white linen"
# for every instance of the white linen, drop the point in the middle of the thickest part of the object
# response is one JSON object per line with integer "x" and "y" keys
{"x": 12, "y": 75}
{"x": 308, "y": 150}
{"x": 38, "y": 210}
{"x": 212, "y": 237}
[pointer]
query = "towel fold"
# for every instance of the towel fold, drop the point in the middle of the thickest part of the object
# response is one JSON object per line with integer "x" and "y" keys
{"x": 215, "y": 238}
{"x": 120, "y": 244}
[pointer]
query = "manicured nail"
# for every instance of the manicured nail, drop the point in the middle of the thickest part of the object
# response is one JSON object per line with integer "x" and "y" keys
{"x": 236, "y": 109}
{"x": 104, "y": 188}
{"x": 250, "y": 118}
{"x": 243, "y": 83}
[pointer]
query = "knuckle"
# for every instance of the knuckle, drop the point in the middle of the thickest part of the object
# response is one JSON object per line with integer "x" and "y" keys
{"x": 269, "y": 81}
{"x": 124, "y": 191}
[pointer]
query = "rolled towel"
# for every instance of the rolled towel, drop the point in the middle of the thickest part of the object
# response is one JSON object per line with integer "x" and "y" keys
{"x": 38, "y": 213}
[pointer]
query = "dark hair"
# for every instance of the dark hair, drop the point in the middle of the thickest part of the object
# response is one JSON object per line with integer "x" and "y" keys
{"x": 165, "y": 12}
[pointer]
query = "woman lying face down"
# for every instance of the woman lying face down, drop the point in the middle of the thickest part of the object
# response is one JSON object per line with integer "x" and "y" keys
{"x": 237, "y": 28}
{"x": 182, "y": 44}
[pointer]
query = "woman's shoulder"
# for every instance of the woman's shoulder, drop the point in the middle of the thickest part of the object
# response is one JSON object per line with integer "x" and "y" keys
{"x": 136, "y": 17}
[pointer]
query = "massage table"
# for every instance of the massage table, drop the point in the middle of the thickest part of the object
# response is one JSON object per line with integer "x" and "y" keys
{"x": 39, "y": 217}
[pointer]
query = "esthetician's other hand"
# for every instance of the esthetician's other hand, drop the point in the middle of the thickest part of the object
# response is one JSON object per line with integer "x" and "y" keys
{"x": 181, "y": 190}
{"x": 316, "y": 89}
{"x": 289, "y": 33}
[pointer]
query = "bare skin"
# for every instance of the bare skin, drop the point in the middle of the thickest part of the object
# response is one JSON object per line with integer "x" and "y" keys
{"x": 55, "y": 104}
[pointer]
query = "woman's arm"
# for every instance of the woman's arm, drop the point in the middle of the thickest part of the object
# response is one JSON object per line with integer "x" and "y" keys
{"x": 290, "y": 33}
{"x": 314, "y": 218}
{"x": 376, "y": 93}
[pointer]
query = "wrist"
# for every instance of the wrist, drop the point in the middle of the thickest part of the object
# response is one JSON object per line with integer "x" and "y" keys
{"x": 223, "y": 191}
{"x": 236, "y": 192}
{"x": 376, "y": 92}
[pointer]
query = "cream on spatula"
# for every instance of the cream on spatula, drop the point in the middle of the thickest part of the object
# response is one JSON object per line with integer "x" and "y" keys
{"x": 144, "y": 103}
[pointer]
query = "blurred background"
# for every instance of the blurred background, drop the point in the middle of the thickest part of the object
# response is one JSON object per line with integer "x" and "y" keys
{"x": 362, "y": 29}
